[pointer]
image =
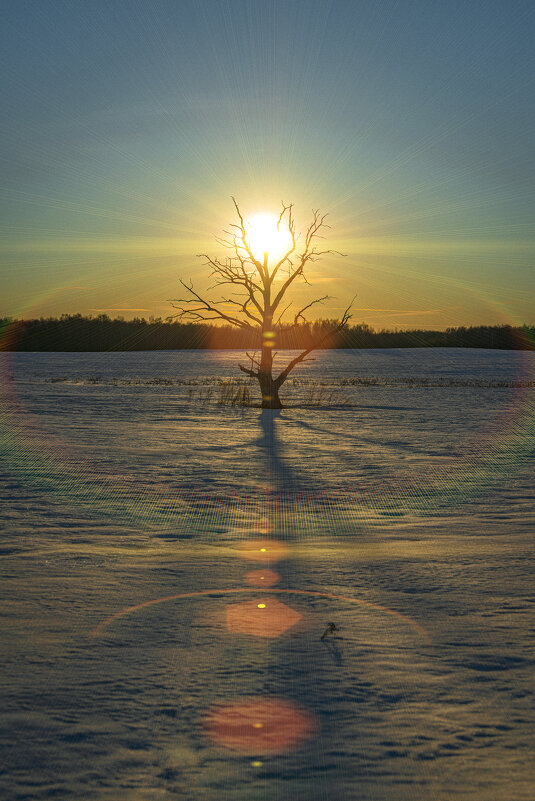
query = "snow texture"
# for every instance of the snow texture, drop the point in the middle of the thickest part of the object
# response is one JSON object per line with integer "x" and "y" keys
{"x": 401, "y": 482}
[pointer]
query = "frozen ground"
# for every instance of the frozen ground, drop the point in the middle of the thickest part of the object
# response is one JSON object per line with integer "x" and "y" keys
{"x": 404, "y": 490}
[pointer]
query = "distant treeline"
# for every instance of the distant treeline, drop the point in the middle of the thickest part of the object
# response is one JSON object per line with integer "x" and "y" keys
{"x": 78, "y": 333}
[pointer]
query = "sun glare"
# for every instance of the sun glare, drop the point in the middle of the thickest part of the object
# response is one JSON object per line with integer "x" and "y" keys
{"x": 264, "y": 237}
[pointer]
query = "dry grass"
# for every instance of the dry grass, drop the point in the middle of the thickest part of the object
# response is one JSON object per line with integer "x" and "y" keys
{"x": 201, "y": 395}
{"x": 234, "y": 393}
{"x": 310, "y": 384}
{"x": 318, "y": 394}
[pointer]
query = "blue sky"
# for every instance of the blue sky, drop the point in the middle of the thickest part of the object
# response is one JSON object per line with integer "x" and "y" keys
{"x": 128, "y": 126}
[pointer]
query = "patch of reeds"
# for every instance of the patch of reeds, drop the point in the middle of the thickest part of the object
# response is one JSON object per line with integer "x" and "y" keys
{"x": 422, "y": 381}
{"x": 315, "y": 388}
{"x": 319, "y": 394}
{"x": 202, "y": 395}
{"x": 234, "y": 392}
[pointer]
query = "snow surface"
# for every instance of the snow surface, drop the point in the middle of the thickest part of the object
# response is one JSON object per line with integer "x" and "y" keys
{"x": 399, "y": 478}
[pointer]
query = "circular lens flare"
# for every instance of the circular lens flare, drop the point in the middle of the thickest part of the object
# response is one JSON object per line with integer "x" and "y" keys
{"x": 313, "y": 593}
{"x": 259, "y": 725}
{"x": 262, "y": 578}
{"x": 265, "y": 618}
{"x": 265, "y": 551}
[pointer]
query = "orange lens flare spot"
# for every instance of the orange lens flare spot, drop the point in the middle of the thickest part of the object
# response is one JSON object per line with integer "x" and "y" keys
{"x": 262, "y": 578}
{"x": 259, "y": 726}
{"x": 263, "y": 550}
{"x": 275, "y": 619}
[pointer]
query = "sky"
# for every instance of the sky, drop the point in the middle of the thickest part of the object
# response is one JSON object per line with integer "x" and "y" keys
{"x": 128, "y": 125}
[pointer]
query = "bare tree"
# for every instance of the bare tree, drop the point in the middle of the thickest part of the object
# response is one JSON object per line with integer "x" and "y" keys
{"x": 255, "y": 301}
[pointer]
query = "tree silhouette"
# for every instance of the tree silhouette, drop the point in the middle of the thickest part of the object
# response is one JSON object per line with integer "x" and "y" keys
{"x": 256, "y": 303}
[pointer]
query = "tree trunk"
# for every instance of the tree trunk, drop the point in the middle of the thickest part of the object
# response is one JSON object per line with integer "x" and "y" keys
{"x": 270, "y": 391}
{"x": 268, "y": 387}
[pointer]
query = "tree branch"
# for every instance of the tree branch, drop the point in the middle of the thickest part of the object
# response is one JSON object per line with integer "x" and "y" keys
{"x": 245, "y": 244}
{"x": 251, "y": 306}
{"x": 253, "y": 359}
{"x": 279, "y": 381}
{"x": 291, "y": 231}
{"x": 251, "y": 373}
{"x": 309, "y": 254}
{"x": 199, "y": 313}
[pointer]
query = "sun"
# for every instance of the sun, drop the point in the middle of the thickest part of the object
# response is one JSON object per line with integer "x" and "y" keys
{"x": 265, "y": 237}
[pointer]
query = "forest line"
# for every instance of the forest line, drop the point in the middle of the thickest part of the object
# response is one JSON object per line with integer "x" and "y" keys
{"x": 76, "y": 332}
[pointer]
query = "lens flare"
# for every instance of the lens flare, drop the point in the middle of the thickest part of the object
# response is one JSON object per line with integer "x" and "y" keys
{"x": 263, "y": 550}
{"x": 259, "y": 725}
{"x": 314, "y": 593}
{"x": 262, "y": 578}
{"x": 267, "y": 618}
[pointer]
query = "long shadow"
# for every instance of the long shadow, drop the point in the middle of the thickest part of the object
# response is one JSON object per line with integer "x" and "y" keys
{"x": 358, "y": 438}
{"x": 270, "y": 445}
{"x": 279, "y": 472}
{"x": 273, "y": 447}
{"x": 320, "y": 676}
{"x": 288, "y": 496}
